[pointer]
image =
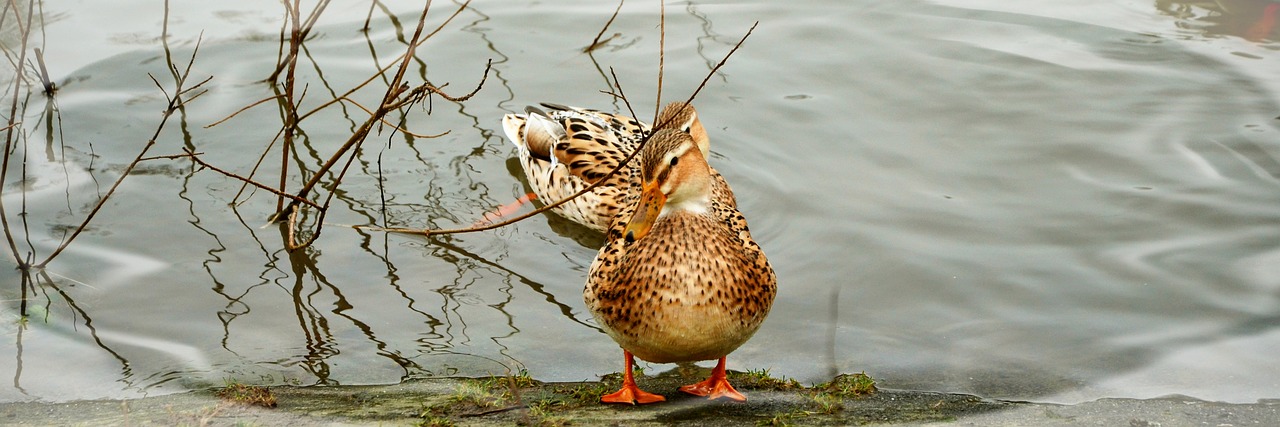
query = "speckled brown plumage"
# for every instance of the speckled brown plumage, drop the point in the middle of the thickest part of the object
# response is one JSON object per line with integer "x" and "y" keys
{"x": 564, "y": 149}
{"x": 679, "y": 278}
{"x": 695, "y": 287}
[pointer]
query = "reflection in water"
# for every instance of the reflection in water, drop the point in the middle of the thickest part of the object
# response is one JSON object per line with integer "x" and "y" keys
{"x": 41, "y": 300}
{"x": 321, "y": 292}
{"x": 708, "y": 37}
{"x": 40, "y": 280}
{"x": 1001, "y": 189}
{"x": 1253, "y": 20}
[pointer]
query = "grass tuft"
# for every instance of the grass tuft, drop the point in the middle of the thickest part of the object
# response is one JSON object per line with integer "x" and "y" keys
{"x": 849, "y": 385}
{"x": 760, "y": 380}
{"x": 247, "y": 394}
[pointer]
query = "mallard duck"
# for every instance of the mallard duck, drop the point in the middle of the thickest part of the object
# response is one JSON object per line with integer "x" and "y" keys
{"x": 564, "y": 149}
{"x": 679, "y": 278}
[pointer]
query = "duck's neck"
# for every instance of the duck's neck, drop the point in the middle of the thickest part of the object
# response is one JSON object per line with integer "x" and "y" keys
{"x": 697, "y": 205}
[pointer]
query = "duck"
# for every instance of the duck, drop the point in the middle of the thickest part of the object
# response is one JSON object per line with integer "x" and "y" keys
{"x": 563, "y": 149}
{"x": 679, "y": 278}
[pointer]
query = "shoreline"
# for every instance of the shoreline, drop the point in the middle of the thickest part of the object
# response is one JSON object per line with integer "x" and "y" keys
{"x": 523, "y": 401}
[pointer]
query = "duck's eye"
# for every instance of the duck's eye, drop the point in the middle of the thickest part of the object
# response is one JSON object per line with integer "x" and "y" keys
{"x": 675, "y": 160}
{"x": 687, "y": 128}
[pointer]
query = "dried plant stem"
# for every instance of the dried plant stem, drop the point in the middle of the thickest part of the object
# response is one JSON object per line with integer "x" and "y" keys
{"x": 24, "y": 32}
{"x": 346, "y": 95}
{"x": 181, "y": 95}
{"x": 593, "y": 185}
{"x": 242, "y": 109}
{"x": 195, "y": 157}
{"x": 597, "y": 43}
{"x": 398, "y": 95}
{"x": 49, "y": 86}
{"x": 187, "y": 154}
{"x": 369, "y": 16}
{"x": 662, "y": 54}
{"x": 388, "y": 123}
{"x": 287, "y": 103}
{"x": 300, "y": 31}
{"x": 623, "y": 95}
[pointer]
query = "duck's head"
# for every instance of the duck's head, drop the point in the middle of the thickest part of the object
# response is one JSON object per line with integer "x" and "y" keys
{"x": 682, "y": 117}
{"x": 675, "y": 177}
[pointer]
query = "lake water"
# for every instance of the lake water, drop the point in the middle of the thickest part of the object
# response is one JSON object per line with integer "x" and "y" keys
{"x": 1048, "y": 201}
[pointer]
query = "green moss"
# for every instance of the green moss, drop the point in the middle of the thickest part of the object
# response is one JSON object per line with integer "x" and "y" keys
{"x": 472, "y": 397}
{"x": 760, "y": 380}
{"x": 824, "y": 399}
{"x": 849, "y": 385}
{"x": 522, "y": 379}
{"x": 247, "y": 394}
{"x": 520, "y": 399}
{"x": 585, "y": 394}
{"x": 543, "y": 415}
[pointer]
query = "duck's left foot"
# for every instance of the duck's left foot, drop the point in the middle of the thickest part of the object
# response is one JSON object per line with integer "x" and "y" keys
{"x": 715, "y": 387}
{"x": 632, "y": 395}
{"x": 504, "y": 210}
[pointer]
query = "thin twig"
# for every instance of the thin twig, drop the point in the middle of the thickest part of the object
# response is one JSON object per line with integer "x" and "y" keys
{"x": 176, "y": 102}
{"x": 195, "y": 157}
{"x": 392, "y": 125}
{"x": 258, "y": 164}
{"x": 369, "y": 16}
{"x": 300, "y": 30}
{"x": 398, "y": 94}
{"x": 389, "y": 99}
{"x": 241, "y": 110}
{"x": 288, "y": 104}
{"x": 393, "y": 63}
{"x": 721, "y": 63}
{"x": 623, "y": 95}
{"x": 171, "y": 156}
{"x": 25, "y": 33}
{"x": 625, "y": 161}
{"x": 597, "y": 43}
{"x": 544, "y": 208}
{"x": 662, "y": 54}
{"x": 49, "y": 87}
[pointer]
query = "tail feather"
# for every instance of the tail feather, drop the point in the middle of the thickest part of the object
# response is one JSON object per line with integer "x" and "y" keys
{"x": 534, "y": 134}
{"x": 541, "y": 134}
{"x": 558, "y": 107}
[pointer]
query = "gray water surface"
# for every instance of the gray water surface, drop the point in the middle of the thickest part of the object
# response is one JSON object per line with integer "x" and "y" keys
{"x": 1033, "y": 201}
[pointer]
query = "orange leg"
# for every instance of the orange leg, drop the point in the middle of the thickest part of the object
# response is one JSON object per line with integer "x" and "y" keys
{"x": 504, "y": 210}
{"x": 630, "y": 393}
{"x": 715, "y": 387}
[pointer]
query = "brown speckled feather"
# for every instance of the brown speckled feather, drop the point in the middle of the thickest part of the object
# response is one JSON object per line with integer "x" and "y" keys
{"x": 566, "y": 148}
{"x": 694, "y": 288}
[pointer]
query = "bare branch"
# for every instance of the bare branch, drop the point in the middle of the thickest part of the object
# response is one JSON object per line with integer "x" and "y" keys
{"x": 241, "y": 110}
{"x": 598, "y": 182}
{"x": 195, "y": 157}
{"x": 174, "y": 104}
{"x": 662, "y": 56}
{"x": 388, "y": 122}
{"x": 597, "y": 43}
{"x": 171, "y": 156}
{"x": 617, "y": 84}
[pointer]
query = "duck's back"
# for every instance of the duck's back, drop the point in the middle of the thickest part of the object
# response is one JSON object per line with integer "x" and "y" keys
{"x": 565, "y": 150}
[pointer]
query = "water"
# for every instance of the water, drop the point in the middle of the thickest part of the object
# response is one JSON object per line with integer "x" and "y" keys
{"x": 1026, "y": 201}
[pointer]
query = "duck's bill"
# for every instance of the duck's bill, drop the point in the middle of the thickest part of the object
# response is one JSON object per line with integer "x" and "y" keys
{"x": 651, "y": 201}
